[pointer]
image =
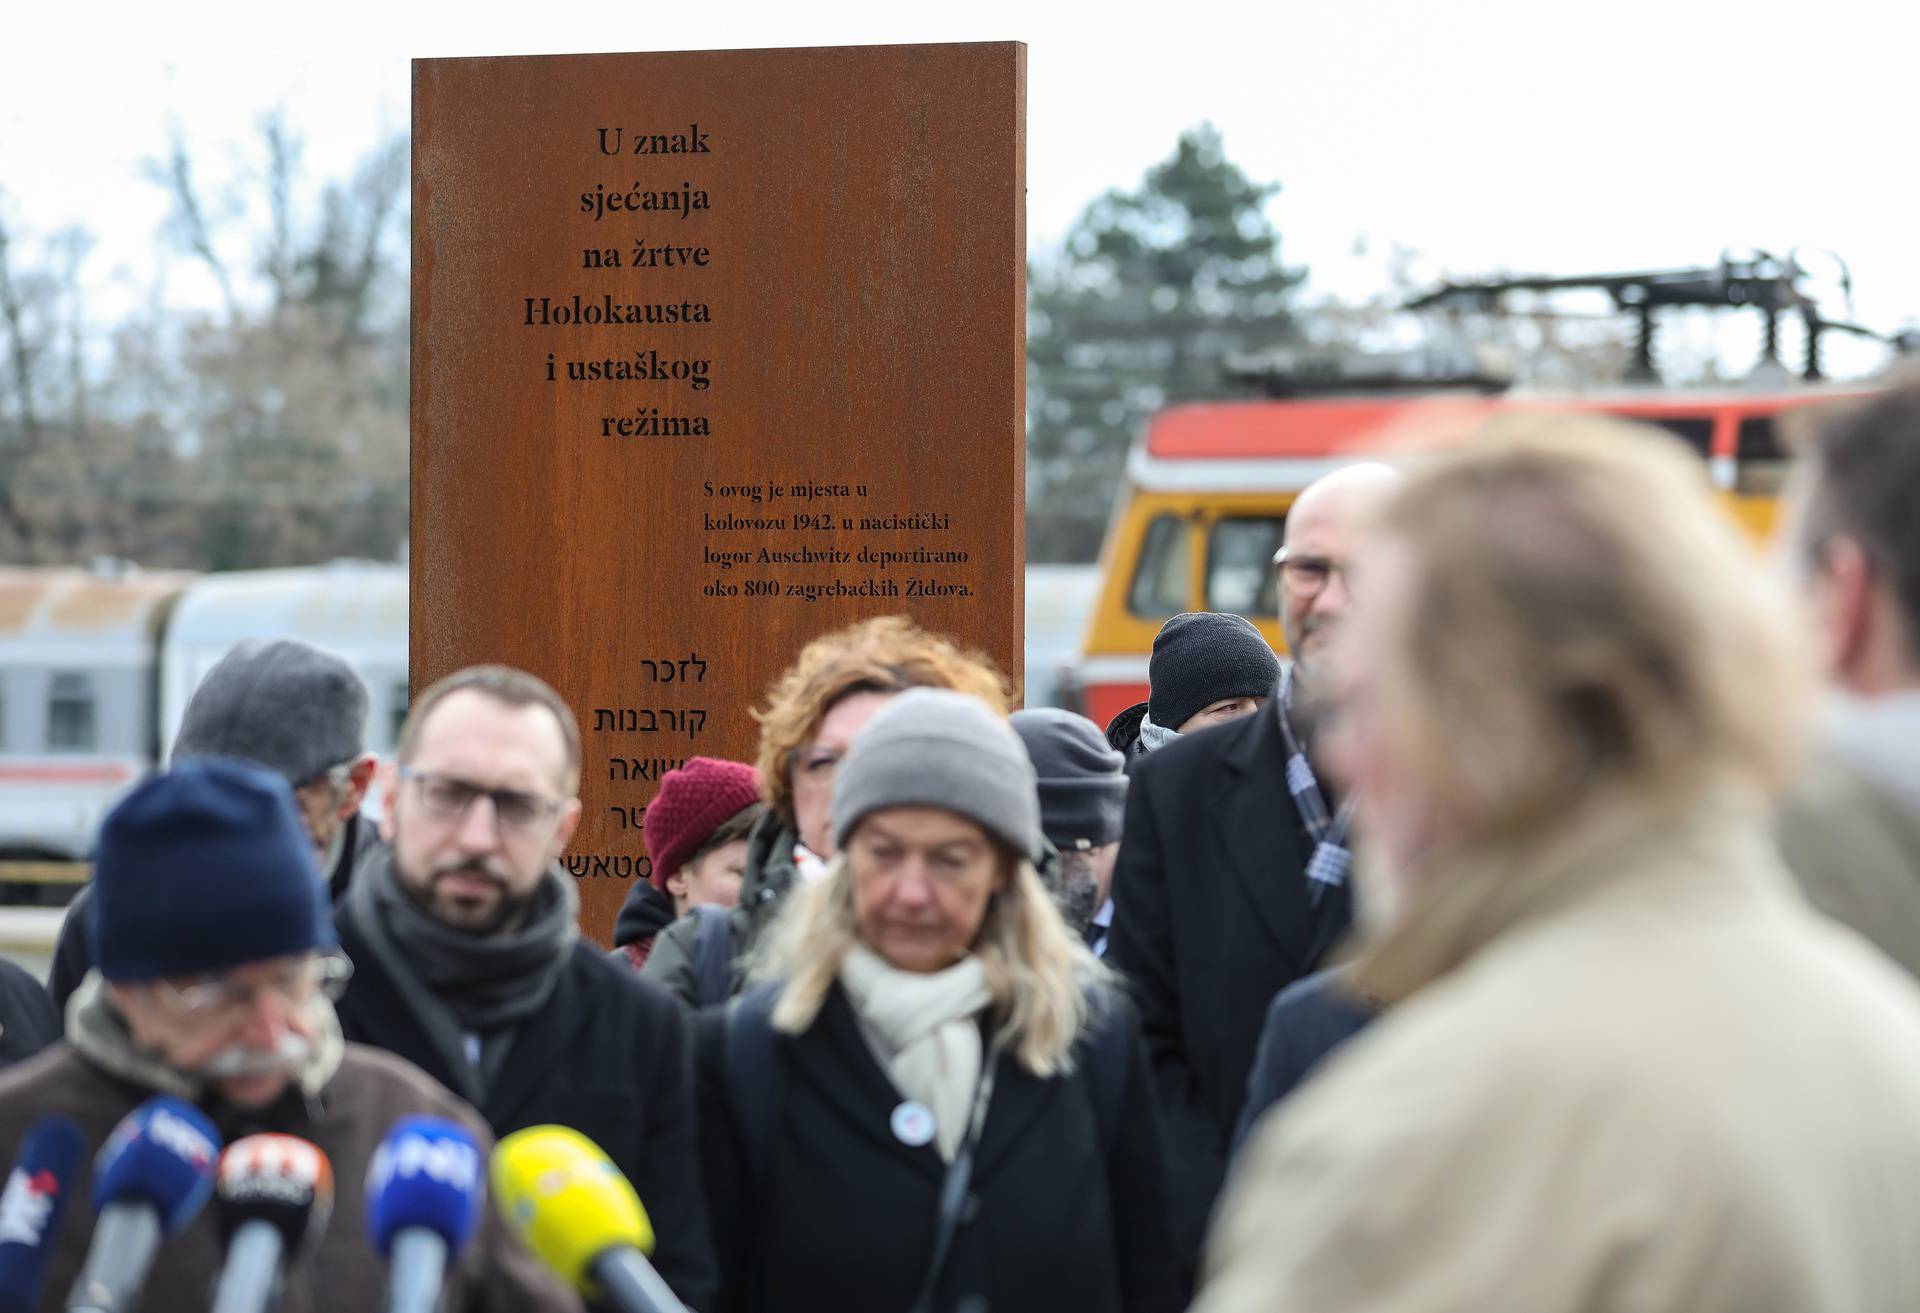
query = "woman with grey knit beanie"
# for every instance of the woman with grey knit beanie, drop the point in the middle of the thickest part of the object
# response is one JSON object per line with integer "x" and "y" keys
{"x": 936, "y": 1098}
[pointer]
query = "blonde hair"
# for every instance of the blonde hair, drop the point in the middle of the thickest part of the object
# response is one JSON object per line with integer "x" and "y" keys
{"x": 1038, "y": 971}
{"x": 1583, "y": 617}
{"x": 887, "y": 654}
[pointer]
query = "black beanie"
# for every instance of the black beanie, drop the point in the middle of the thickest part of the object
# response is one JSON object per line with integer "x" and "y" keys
{"x": 1200, "y": 658}
{"x": 1083, "y": 782}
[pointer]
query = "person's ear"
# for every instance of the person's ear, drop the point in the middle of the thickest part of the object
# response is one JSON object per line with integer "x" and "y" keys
{"x": 130, "y": 1005}
{"x": 563, "y": 833}
{"x": 1843, "y": 600}
{"x": 388, "y": 777}
{"x": 359, "y": 780}
{"x": 677, "y": 884}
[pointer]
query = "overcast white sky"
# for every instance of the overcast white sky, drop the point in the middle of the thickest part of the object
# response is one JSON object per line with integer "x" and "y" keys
{"x": 1489, "y": 134}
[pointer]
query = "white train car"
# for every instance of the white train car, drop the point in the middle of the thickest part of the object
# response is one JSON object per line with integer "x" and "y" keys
{"x": 356, "y": 610}
{"x": 1059, "y": 600}
{"x": 77, "y": 725}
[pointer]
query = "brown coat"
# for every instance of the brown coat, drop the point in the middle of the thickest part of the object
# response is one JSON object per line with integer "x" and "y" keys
{"x": 367, "y": 1095}
{"x": 1626, "y": 1071}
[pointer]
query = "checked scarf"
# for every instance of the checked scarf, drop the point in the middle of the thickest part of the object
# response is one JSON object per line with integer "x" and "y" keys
{"x": 1327, "y": 868}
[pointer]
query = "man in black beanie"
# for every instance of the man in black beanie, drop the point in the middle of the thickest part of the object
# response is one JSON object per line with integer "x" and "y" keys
{"x": 299, "y": 712}
{"x": 1231, "y": 881}
{"x": 1083, "y": 798}
{"x": 1207, "y": 668}
{"x": 217, "y": 972}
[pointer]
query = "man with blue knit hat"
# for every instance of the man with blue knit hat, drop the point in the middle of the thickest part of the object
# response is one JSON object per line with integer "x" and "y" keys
{"x": 217, "y": 970}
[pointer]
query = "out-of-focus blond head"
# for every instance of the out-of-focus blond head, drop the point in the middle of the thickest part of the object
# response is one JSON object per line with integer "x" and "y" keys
{"x": 1583, "y": 616}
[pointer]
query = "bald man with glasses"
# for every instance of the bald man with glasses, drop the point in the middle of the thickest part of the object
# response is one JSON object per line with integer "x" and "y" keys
{"x": 1231, "y": 881}
{"x": 469, "y": 961}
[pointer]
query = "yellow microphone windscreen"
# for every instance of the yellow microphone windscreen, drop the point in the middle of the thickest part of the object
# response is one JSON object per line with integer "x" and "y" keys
{"x": 567, "y": 1200}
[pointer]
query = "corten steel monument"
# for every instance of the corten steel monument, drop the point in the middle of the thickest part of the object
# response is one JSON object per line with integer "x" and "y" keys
{"x": 712, "y": 352}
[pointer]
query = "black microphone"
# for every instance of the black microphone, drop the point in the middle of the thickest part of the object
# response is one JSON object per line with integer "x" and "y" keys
{"x": 32, "y": 1207}
{"x": 150, "y": 1179}
{"x": 273, "y": 1196}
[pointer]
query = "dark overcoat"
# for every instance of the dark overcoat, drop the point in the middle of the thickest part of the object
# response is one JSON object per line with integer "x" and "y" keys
{"x": 608, "y": 1056}
{"x": 839, "y": 1214}
{"x": 1211, "y": 920}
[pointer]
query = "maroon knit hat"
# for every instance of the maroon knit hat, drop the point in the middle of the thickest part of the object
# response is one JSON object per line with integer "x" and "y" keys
{"x": 693, "y": 802}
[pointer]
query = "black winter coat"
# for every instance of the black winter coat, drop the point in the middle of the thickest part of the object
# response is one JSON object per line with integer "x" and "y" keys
{"x": 28, "y": 1022}
{"x": 1307, "y": 1021}
{"x": 608, "y": 1056}
{"x": 841, "y": 1216}
{"x": 647, "y": 911}
{"x": 1211, "y": 920}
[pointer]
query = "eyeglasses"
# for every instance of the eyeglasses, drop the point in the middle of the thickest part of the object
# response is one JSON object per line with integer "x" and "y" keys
{"x": 336, "y": 777}
{"x": 1307, "y": 576}
{"x": 448, "y": 797}
{"x": 211, "y": 1000}
{"x": 812, "y": 768}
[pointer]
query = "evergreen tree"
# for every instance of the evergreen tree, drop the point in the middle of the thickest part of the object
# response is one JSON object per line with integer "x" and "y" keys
{"x": 1152, "y": 290}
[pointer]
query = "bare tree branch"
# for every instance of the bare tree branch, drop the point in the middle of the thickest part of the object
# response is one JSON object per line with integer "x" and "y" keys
{"x": 190, "y": 219}
{"x": 19, "y": 354}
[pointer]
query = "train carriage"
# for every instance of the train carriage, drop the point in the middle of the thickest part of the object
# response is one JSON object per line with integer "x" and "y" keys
{"x": 78, "y": 666}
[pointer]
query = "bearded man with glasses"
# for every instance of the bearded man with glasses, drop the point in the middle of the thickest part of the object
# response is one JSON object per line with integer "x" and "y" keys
{"x": 217, "y": 970}
{"x": 468, "y": 959}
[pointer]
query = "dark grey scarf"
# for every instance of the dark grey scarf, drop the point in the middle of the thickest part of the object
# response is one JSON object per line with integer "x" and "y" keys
{"x": 460, "y": 984}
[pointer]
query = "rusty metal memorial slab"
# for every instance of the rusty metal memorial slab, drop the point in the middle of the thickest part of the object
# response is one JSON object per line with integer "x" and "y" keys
{"x": 712, "y": 352}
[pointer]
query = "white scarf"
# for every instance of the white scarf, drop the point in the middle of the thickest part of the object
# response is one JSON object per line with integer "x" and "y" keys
{"x": 922, "y": 1028}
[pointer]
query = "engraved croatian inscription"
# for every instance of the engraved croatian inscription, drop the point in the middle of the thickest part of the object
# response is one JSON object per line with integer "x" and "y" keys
{"x": 714, "y": 352}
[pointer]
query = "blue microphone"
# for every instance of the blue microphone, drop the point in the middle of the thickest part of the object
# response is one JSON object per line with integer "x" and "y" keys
{"x": 32, "y": 1206}
{"x": 151, "y": 1178}
{"x": 425, "y": 1189}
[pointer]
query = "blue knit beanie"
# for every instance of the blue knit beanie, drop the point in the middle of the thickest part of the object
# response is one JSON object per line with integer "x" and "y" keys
{"x": 202, "y": 868}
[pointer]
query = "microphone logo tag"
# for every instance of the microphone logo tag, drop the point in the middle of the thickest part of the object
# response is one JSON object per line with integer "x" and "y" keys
{"x": 180, "y": 1138}
{"x": 25, "y": 1206}
{"x": 451, "y": 1162}
{"x": 271, "y": 1168}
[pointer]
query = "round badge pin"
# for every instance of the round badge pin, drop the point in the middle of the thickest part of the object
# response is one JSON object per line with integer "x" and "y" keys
{"x": 913, "y": 1124}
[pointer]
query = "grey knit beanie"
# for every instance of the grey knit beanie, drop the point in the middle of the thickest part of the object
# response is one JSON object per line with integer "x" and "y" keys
{"x": 1083, "y": 782}
{"x": 282, "y": 703}
{"x": 933, "y": 747}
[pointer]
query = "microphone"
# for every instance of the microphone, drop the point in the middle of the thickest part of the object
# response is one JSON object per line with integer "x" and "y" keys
{"x": 424, "y": 1195}
{"x": 580, "y": 1215}
{"x": 151, "y": 1178}
{"x": 273, "y": 1196}
{"x": 33, "y": 1205}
